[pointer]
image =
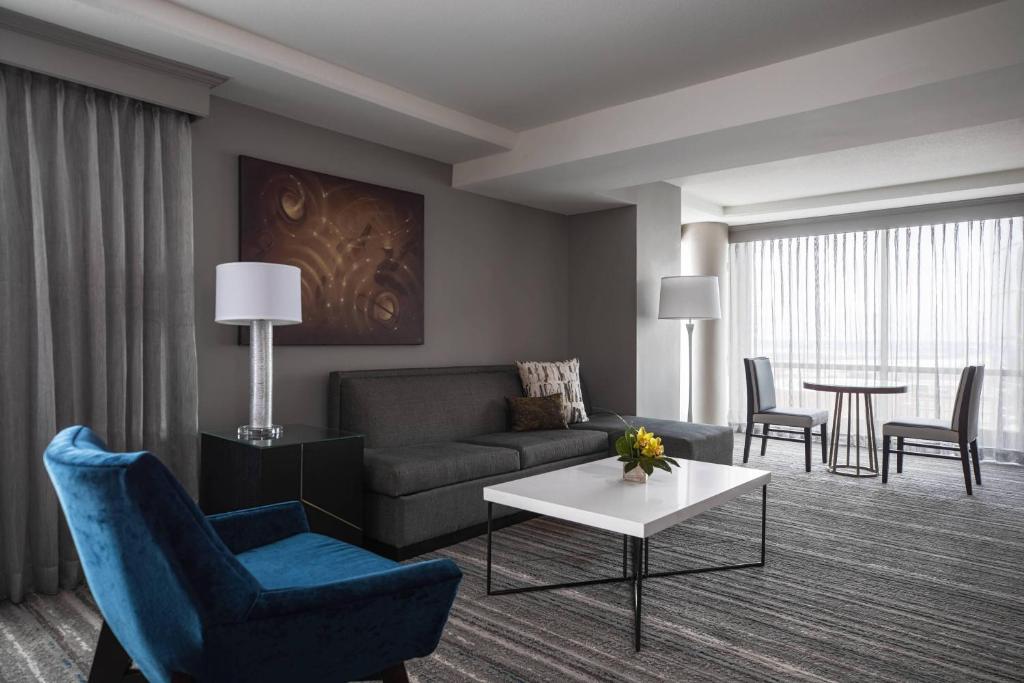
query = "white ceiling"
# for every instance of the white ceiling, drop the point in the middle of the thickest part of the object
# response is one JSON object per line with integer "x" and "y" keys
{"x": 523, "y": 63}
{"x": 758, "y": 109}
{"x": 964, "y": 152}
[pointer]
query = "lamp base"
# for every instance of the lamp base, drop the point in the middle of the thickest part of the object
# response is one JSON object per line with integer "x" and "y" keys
{"x": 260, "y": 433}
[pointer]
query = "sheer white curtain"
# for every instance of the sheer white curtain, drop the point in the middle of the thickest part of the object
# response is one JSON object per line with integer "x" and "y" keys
{"x": 909, "y": 305}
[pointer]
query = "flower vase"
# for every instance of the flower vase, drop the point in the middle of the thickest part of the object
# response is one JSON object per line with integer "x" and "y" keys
{"x": 635, "y": 475}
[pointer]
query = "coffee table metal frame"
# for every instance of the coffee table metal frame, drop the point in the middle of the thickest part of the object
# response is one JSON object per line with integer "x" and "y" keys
{"x": 640, "y": 567}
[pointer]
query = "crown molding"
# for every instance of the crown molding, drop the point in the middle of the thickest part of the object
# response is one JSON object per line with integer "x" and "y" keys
{"x": 82, "y": 42}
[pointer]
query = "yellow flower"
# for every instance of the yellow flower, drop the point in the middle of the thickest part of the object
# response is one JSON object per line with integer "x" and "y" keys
{"x": 653, "y": 448}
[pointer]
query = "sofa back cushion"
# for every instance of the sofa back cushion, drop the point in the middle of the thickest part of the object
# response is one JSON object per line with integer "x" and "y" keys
{"x": 414, "y": 406}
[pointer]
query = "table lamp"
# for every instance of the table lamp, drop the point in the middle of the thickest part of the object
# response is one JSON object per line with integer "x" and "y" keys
{"x": 259, "y": 295}
{"x": 689, "y": 297}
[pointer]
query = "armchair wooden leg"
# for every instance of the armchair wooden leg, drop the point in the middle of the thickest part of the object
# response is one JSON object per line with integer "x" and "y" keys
{"x": 110, "y": 662}
{"x": 899, "y": 455}
{"x": 807, "y": 449}
{"x": 395, "y": 674}
{"x": 824, "y": 443}
{"x": 764, "y": 438}
{"x": 975, "y": 460}
{"x": 886, "y": 444}
{"x": 965, "y": 460}
{"x": 746, "y": 441}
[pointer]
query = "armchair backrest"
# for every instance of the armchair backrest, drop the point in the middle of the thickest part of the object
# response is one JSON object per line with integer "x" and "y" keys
{"x": 760, "y": 384}
{"x": 157, "y": 569}
{"x": 967, "y": 406}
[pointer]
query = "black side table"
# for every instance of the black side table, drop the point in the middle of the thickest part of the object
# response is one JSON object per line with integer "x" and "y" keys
{"x": 321, "y": 467}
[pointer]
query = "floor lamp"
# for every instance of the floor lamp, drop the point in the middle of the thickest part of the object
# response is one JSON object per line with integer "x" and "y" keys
{"x": 689, "y": 297}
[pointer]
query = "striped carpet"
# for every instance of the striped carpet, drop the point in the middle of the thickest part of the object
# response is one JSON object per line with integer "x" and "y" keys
{"x": 911, "y": 582}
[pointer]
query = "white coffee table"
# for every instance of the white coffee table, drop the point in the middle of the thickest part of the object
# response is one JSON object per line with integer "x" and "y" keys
{"x": 593, "y": 494}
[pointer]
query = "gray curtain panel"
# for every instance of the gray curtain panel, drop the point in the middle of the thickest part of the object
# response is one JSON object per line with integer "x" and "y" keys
{"x": 96, "y": 300}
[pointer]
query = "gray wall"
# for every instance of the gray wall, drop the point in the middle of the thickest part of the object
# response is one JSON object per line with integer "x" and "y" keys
{"x": 602, "y": 289}
{"x": 497, "y": 287}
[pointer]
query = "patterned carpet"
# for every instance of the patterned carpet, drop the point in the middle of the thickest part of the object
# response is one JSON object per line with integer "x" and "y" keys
{"x": 911, "y": 582}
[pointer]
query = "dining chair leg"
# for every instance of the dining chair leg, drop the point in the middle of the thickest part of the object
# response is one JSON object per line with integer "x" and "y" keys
{"x": 975, "y": 460}
{"x": 746, "y": 441}
{"x": 824, "y": 444}
{"x": 886, "y": 443}
{"x": 807, "y": 449}
{"x": 899, "y": 455}
{"x": 764, "y": 438}
{"x": 965, "y": 460}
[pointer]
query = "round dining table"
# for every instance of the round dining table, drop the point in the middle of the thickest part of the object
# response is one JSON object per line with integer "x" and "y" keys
{"x": 853, "y": 393}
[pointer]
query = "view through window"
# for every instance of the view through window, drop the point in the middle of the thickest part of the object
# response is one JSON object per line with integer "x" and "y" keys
{"x": 908, "y": 305}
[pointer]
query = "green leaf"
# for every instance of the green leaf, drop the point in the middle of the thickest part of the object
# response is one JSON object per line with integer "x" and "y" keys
{"x": 630, "y": 466}
{"x": 622, "y": 445}
{"x": 662, "y": 465}
{"x": 646, "y": 466}
{"x": 671, "y": 461}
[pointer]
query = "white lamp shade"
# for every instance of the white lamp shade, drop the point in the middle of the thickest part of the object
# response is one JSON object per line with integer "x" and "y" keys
{"x": 694, "y": 297}
{"x": 248, "y": 290}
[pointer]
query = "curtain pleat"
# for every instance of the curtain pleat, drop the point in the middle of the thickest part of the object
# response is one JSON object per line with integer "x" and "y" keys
{"x": 96, "y": 298}
{"x": 908, "y": 305}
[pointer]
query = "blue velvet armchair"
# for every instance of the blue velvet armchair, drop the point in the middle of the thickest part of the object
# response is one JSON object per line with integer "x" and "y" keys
{"x": 243, "y": 596}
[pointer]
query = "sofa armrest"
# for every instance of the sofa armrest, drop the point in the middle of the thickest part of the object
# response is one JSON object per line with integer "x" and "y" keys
{"x": 438, "y": 579}
{"x": 243, "y": 530}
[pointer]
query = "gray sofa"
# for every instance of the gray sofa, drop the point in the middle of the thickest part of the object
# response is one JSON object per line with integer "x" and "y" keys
{"x": 436, "y": 436}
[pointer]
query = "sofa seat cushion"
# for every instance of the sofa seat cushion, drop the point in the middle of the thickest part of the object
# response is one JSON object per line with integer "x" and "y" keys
{"x": 306, "y": 560}
{"x": 546, "y": 445}
{"x": 401, "y": 470}
{"x": 689, "y": 440}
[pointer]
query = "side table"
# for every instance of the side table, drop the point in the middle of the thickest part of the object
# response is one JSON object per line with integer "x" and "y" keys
{"x": 319, "y": 466}
{"x": 852, "y": 392}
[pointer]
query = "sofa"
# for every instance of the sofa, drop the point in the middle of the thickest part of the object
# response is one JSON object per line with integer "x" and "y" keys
{"x": 435, "y": 437}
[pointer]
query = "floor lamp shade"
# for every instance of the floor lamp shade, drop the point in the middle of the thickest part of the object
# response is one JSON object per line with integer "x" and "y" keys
{"x": 690, "y": 297}
{"x": 693, "y": 297}
{"x": 259, "y": 295}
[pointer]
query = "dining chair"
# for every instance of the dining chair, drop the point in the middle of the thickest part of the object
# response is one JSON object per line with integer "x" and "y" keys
{"x": 761, "y": 409}
{"x": 249, "y": 595}
{"x": 925, "y": 432}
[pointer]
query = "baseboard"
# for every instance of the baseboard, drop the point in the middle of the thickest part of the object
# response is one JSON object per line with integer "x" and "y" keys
{"x": 431, "y": 544}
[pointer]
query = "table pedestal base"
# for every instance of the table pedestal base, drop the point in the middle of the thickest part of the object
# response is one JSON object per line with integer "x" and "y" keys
{"x": 853, "y": 466}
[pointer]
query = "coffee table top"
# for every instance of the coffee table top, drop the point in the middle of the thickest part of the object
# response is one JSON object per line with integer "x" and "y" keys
{"x": 595, "y": 495}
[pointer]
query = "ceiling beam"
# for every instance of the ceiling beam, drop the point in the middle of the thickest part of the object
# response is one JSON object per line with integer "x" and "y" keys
{"x": 927, "y": 78}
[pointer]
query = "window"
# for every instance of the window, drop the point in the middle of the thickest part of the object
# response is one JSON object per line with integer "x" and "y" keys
{"x": 909, "y": 305}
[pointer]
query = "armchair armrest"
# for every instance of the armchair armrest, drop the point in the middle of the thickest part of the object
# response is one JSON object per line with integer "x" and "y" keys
{"x": 243, "y": 530}
{"x": 439, "y": 578}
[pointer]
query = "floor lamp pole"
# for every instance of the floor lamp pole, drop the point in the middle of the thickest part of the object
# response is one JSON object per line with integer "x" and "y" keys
{"x": 689, "y": 374}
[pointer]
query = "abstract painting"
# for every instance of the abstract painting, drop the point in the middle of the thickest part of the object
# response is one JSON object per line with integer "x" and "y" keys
{"x": 359, "y": 246}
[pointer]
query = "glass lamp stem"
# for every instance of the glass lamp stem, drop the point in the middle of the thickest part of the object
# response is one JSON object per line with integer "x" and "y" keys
{"x": 261, "y": 387}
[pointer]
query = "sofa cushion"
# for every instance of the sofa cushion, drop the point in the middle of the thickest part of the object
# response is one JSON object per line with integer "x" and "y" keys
{"x": 689, "y": 440}
{"x": 305, "y": 560}
{"x": 403, "y": 407}
{"x": 546, "y": 445}
{"x": 402, "y": 470}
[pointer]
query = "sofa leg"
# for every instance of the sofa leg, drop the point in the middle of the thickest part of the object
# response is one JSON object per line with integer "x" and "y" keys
{"x": 395, "y": 674}
{"x": 746, "y": 441}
